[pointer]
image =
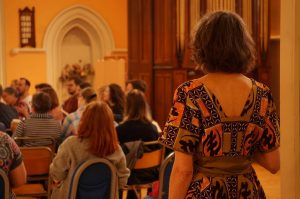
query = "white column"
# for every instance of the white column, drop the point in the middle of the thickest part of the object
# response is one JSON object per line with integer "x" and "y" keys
{"x": 2, "y": 46}
{"x": 289, "y": 98}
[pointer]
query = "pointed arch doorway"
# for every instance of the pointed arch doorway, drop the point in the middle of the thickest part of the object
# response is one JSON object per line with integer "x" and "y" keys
{"x": 78, "y": 28}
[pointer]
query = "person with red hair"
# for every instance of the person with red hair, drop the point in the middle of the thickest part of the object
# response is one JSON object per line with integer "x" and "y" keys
{"x": 96, "y": 137}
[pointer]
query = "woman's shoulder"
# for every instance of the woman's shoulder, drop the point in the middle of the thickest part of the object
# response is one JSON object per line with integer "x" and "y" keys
{"x": 261, "y": 85}
{"x": 190, "y": 85}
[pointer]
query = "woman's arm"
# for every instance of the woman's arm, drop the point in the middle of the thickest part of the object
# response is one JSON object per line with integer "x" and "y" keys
{"x": 181, "y": 175}
{"x": 17, "y": 176}
{"x": 269, "y": 160}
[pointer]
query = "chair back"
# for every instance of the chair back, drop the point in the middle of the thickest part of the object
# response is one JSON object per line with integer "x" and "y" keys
{"x": 50, "y": 142}
{"x": 4, "y": 185}
{"x": 94, "y": 178}
{"x": 150, "y": 159}
{"x": 164, "y": 176}
{"x": 37, "y": 160}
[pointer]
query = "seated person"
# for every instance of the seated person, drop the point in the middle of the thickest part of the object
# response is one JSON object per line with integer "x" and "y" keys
{"x": 55, "y": 110}
{"x": 7, "y": 114}
{"x": 114, "y": 96}
{"x": 40, "y": 123}
{"x": 71, "y": 122}
{"x": 11, "y": 97}
{"x": 137, "y": 126}
{"x": 96, "y": 138}
{"x": 12, "y": 162}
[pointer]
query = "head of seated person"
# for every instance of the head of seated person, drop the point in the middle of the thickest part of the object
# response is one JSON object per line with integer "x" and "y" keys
{"x": 41, "y": 103}
{"x": 97, "y": 125}
{"x": 86, "y": 96}
{"x": 10, "y": 96}
{"x": 135, "y": 108}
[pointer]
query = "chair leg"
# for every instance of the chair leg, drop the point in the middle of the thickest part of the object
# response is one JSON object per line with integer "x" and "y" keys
{"x": 143, "y": 192}
{"x": 124, "y": 194}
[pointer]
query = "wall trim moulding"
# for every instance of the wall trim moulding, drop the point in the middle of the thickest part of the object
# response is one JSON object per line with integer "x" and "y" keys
{"x": 16, "y": 51}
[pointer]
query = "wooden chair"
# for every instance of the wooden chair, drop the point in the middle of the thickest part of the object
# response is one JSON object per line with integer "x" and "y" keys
{"x": 49, "y": 139}
{"x": 37, "y": 161}
{"x": 4, "y": 185}
{"x": 148, "y": 160}
{"x": 164, "y": 176}
{"x": 94, "y": 178}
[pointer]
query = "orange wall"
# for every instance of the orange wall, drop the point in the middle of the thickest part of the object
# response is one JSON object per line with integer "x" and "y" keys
{"x": 33, "y": 64}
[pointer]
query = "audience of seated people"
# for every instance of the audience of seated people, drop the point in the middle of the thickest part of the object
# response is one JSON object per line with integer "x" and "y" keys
{"x": 23, "y": 89}
{"x": 7, "y": 114}
{"x": 114, "y": 96}
{"x": 93, "y": 125}
{"x": 96, "y": 138}
{"x": 40, "y": 122}
{"x": 70, "y": 125}
{"x": 73, "y": 85}
{"x": 11, "y": 98}
{"x": 12, "y": 162}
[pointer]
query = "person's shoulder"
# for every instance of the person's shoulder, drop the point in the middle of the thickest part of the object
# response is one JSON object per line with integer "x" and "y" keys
{"x": 261, "y": 86}
{"x": 190, "y": 85}
{"x": 71, "y": 140}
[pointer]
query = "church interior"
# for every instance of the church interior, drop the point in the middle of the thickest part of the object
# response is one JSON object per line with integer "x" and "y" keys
{"x": 113, "y": 41}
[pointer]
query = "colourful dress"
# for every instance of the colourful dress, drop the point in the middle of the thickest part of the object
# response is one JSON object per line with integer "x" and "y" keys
{"x": 10, "y": 155}
{"x": 222, "y": 147}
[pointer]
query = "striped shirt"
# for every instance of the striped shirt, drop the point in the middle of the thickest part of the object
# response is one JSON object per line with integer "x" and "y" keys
{"x": 38, "y": 125}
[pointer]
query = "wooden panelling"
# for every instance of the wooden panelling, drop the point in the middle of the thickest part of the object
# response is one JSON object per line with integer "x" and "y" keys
{"x": 163, "y": 95}
{"x": 140, "y": 42}
{"x": 140, "y": 36}
{"x": 165, "y": 32}
{"x": 179, "y": 76}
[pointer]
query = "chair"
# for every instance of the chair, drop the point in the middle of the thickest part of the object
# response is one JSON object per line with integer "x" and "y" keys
{"x": 49, "y": 139}
{"x": 37, "y": 161}
{"x": 93, "y": 179}
{"x": 164, "y": 176}
{"x": 4, "y": 185}
{"x": 148, "y": 160}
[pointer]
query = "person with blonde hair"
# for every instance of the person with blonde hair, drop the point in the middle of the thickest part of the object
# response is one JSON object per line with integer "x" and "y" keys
{"x": 96, "y": 137}
{"x": 222, "y": 122}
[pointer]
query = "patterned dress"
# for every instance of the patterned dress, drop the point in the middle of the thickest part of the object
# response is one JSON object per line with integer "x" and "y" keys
{"x": 222, "y": 147}
{"x": 10, "y": 155}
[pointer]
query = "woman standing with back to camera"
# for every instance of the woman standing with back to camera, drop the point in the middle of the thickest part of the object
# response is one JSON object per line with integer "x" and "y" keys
{"x": 222, "y": 122}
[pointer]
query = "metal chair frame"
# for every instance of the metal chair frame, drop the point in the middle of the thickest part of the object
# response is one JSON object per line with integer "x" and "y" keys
{"x": 81, "y": 168}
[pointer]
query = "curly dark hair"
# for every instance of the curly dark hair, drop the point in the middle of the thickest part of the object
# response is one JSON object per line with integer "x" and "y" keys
{"x": 117, "y": 97}
{"x": 221, "y": 43}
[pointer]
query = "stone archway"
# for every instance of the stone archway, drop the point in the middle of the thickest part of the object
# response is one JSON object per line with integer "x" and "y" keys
{"x": 88, "y": 21}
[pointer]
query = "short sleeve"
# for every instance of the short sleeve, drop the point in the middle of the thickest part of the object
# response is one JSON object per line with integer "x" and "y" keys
{"x": 17, "y": 156}
{"x": 182, "y": 129}
{"x": 270, "y": 139}
{"x": 11, "y": 154}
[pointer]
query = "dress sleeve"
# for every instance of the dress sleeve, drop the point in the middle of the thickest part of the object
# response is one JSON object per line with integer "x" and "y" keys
{"x": 270, "y": 139}
{"x": 182, "y": 129}
{"x": 17, "y": 156}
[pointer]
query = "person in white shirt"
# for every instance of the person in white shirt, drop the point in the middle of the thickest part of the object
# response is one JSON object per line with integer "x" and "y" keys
{"x": 23, "y": 89}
